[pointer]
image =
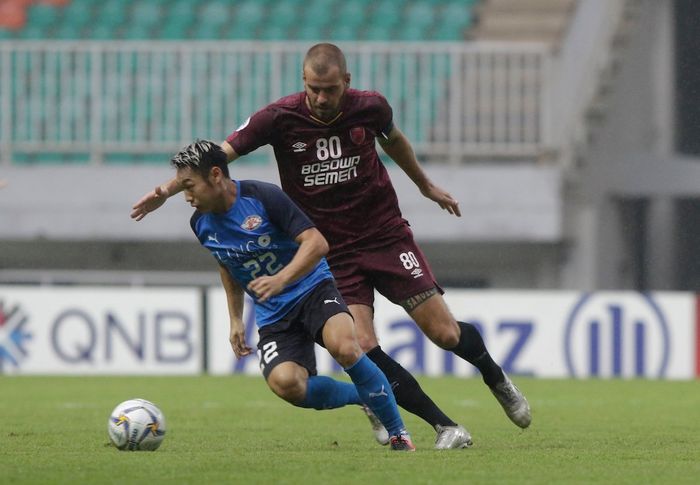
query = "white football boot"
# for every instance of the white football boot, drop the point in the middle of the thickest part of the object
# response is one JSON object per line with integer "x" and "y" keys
{"x": 452, "y": 437}
{"x": 380, "y": 432}
{"x": 514, "y": 403}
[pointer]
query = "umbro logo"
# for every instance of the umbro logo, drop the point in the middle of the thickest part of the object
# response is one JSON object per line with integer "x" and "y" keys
{"x": 299, "y": 146}
{"x": 334, "y": 300}
{"x": 417, "y": 273}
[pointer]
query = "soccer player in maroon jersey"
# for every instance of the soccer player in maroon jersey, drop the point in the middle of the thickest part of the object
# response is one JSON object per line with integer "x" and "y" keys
{"x": 324, "y": 143}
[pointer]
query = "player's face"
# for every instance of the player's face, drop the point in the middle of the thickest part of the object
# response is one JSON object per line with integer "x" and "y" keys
{"x": 201, "y": 194}
{"x": 325, "y": 92}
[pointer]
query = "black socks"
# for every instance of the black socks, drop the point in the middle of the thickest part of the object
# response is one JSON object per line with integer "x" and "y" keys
{"x": 471, "y": 348}
{"x": 407, "y": 391}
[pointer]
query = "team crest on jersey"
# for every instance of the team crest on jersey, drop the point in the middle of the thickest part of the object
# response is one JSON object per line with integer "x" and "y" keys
{"x": 357, "y": 135}
{"x": 252, "y": 222}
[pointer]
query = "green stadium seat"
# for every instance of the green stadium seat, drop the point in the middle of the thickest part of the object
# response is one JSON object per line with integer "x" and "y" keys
{"x": 78, "y": 13}
{"x": 100, "y": 32}
{"x": 411, "y": 32}
{"x": 240, "y": 31}
{"x": 419, "y": 15}
{"x": 136, "y": 31}
{"x": 448, "y": 31}
{"x": 44, "y": 16}
{"x": 250, "y": 12}
{"x": 283, "y": 14}
{"x": 175, "y": 29}
{"x": 376, "y": 32}
{"x": 274, "y": 32}
{"x": 215, "y": 13}
{"x": 182, "y": 8}
{"x": 320, "y": 14}
{"x": 386, "y": 14}
{"x": 31, "y": 32}
{"x": 111, "y": 16}
{"x": 309, "y": 32}
{"x": 67, "y": 31}
{"x": 353, "y": 14}
{"x": 456, "y": 13}
{"x": 146, "y": 14}
{"x": 205, "y": 31}
{"x": 343, "y": 32}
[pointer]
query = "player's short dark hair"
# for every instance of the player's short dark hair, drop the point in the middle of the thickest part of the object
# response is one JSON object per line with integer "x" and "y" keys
{"x": 201, "y": 156}
{"x": 321, "y": 57}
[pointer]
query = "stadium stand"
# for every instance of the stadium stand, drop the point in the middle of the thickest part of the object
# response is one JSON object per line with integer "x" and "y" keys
{"x": 265, "y": 20}
{"x": 411, "y": 20}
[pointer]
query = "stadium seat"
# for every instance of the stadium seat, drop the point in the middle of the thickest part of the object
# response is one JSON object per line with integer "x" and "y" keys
{"x": 419, "y": 16}
{"x": 215, "y": 14}
{"x": 147, "y": 14}
{"x": 42, "y": 16}
{"x": 278, "y": 20}
{"x": 377, "y": 32}
{"x": 352, "y": 14}
{"x": 180, "y": 9}
{"x": 274, "y": 31}
{"x": 250, "y": 12}
{"x": 31, "y": 32}
{"x": 386, "y": 14}
{"x": 248, "y": 19}
{"x": 284, "y": 14}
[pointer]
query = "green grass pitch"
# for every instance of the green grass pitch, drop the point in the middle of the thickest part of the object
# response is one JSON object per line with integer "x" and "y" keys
{"x": 234, "y": 430}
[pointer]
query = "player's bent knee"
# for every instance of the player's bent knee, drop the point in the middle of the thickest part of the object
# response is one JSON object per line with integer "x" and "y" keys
{"x": 288, "y": 382}
{"x": 445, "y": 337}
{"x": 346, "y": 352}
{"x": 367, "y": 342}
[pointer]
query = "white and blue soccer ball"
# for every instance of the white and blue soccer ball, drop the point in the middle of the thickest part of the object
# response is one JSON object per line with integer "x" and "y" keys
{"x": 136, "y": 424}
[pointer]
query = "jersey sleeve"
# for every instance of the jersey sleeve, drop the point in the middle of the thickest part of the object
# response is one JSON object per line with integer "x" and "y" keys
{"x": 196, "y": 215}
{"x": 384, "y": 116}
{"x": 281, "y": 210}
{"x": 255, "y": 132}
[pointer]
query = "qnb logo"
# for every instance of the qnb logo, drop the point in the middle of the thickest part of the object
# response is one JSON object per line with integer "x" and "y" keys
{"x": 13, "y": 335}
{"x": 623, "y": 335}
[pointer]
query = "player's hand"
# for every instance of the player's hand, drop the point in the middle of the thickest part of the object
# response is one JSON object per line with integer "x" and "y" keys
{"x": 266, "y": 286}
{"x": 149, "y": 202}
{"x": 237, "y": 339}
{"x": 443, "y": 199}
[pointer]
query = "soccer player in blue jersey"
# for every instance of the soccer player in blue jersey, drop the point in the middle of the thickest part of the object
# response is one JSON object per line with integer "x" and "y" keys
{"x": 266, "y": 246}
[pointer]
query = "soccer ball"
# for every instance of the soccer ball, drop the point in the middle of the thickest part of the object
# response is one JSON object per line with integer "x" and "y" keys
{"x": 136, "y": 424}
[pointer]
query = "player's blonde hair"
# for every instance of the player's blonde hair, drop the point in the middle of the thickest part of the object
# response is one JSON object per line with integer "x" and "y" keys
{"x": 201, "y": 156}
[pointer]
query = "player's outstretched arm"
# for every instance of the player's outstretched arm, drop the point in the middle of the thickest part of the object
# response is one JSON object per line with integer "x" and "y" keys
{"x": 157, "y": 197}
{"x": 234, "y": 298}
{"x": 397, "y": 146}
{"x": 154, "y": 199}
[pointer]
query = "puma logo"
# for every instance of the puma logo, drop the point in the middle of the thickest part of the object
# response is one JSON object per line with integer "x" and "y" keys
{"x": 212, "y": 238}
{"x": 334, "y": 300}
{"x": 381, "y": 393}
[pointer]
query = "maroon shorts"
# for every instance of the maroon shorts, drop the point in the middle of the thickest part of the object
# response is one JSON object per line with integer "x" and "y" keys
{"x": 398, "y": 270}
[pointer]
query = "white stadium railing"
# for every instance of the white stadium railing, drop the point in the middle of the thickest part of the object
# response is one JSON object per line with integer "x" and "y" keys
{"x": 97, "y": 99}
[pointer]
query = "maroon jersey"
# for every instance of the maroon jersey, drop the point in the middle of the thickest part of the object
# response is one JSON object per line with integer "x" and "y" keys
{"x": 331, "y": 169}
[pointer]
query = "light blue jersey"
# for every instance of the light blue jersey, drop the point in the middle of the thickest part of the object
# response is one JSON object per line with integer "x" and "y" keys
{"x": 255, "y": 237}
